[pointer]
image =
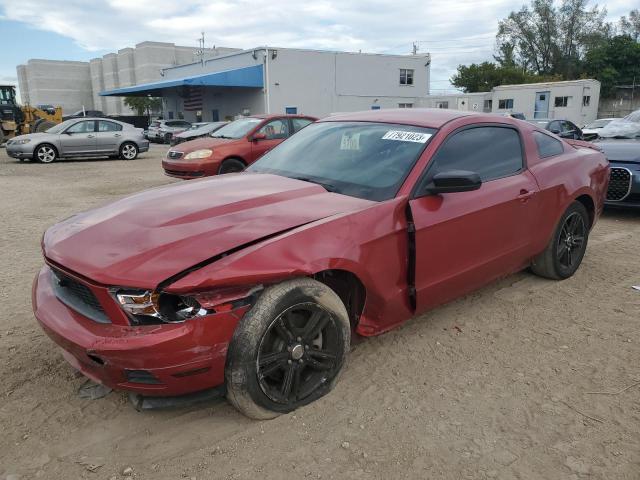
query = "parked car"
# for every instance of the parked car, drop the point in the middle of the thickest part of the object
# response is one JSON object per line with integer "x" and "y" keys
{"x": 562, "y": 128}
{"x": 48, "y": 108}
{"x": 197, "y": 130}
{"x": 163, "y": 130}
{"x": 233, "y": 147}
{"x": 519, "y": 116}
{"x": 86, "y": 137}
{"x": 255, "y": 281}
{"x": 591, "y": 131}
{"x": 624, "y": 183}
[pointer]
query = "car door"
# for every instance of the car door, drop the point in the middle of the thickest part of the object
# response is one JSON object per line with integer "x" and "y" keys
{"x": 108, "y": 137}
{"x": 466, "y": 239}
{"x": 79, "y": 138}
{"x": 274, "y": 131}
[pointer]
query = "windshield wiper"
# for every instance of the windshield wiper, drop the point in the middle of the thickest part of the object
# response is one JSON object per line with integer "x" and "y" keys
{"x": 222, "y": 136}
{"x": 327, "y": 186}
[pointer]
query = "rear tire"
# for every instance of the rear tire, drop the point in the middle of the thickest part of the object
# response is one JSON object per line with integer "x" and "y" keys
{"x": 128, "y": 151}
{"x": 231, "y": 165}
{"x": 45, "y": 153}
{"x": 288, "y": 350}
{"x": 44, "y": 126}
{"x": 567, "y": 246}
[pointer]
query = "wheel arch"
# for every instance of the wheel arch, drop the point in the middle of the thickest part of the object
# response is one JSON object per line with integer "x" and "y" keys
{"x": 234, "y": 157}
{"x": 348, "y": 287}
{"x": 590, "y": 205}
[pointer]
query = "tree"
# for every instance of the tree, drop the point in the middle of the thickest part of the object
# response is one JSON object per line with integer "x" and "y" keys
{"x": 142, "y": 105}
{"x": 631, "y": 25}
{"x": 549, "y": 40}
{"x": 484, "y": 76}
{"x": 615, "y": 62}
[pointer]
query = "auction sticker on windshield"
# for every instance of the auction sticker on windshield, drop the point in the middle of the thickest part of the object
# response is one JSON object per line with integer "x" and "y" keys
{"x": 403, "y": 136}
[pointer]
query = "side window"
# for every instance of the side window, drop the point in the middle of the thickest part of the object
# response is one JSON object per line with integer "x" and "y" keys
{"x": 568, "y": 127}
{"x": 104, "y": 126}
{"x": 547, "y": 145}
{"x": 300, "y": 123}
{"x": 276, "y": 129}
{"x": 81, "y": 127}
{"x": 555, "y": 127}
{"x": 491, "y": 152}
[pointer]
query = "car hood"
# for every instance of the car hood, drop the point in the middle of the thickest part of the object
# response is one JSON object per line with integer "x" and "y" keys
{"x": 622, "y": 150}
{"x": 204, "y": 142}
{"x": 143, "y": 239}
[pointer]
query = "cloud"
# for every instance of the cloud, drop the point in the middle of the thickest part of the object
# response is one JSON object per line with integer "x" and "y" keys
{"x": 454, "y": 32}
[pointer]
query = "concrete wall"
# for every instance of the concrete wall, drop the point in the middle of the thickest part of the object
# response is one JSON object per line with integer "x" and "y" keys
{"x": 63, "y": 83}
{"x": 76, "y": 84}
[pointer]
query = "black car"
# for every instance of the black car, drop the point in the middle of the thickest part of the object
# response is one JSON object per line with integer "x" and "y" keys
{"x": 562, "y": 128}
{"x": 624, "y": 180}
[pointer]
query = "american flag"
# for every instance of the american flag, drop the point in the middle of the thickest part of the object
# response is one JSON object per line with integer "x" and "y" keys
{"x": 193, "y": 99}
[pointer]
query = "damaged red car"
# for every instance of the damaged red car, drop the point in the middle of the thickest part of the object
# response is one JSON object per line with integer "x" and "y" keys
{"x": 253, "y": 283}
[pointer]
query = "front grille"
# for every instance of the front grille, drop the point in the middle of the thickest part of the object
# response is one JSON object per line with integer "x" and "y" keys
{"x": 78, "y": 296}
{"x": 619, "y": 184}
{"x": 180, "y": 173}
{"x": 173, "y": 155}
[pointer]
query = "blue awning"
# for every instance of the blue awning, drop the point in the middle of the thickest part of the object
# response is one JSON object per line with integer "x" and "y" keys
{"x": 247, "y": 77}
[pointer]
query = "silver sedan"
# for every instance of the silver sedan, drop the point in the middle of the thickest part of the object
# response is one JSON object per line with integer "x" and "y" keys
{"x": 80, "y": 137}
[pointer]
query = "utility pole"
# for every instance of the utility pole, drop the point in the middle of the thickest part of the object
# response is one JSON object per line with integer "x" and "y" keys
{"x": 415, "y": 48}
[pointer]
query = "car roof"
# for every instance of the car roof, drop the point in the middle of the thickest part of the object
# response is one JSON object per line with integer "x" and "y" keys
{"x": 265, "y": 116}
{"x": 420, "y": 117}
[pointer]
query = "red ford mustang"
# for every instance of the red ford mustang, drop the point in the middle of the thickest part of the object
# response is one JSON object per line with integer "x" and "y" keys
{"x": 253, "y": 282}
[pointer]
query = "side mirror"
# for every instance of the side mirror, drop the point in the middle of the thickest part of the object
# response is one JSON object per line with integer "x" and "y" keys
{"x": 258, "y": 136}
{"x": 555, "y": 130}
{"x": 454, "y": 181}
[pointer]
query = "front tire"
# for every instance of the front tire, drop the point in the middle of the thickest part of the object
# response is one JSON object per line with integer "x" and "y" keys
{"x": 288, "y": 350}
{"x": 45, "y": 153}
{"x": 128, "y": 151}
{"x": 231, "y": 165}
{"x": 567, "y": 246}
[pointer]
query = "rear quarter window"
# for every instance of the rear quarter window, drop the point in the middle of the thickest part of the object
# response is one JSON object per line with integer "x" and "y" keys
{"x": 547, "y": 145}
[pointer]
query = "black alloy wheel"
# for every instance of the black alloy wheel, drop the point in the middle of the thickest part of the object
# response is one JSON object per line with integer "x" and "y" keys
{"x": 298, "y": 353}
{"x": 571, "y": 241}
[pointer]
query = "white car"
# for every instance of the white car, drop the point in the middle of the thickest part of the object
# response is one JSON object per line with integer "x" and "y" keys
{"x": 164, "y": 130}
{"x": 592, "y": 130}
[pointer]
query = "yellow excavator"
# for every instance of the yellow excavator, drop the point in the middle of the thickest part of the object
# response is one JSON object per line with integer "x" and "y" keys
{"x": 20, "y": 119}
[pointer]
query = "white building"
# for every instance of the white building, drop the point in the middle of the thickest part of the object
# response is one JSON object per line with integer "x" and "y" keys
{"x": 281, "y": 80}
{"x": 574, "y": 100}
{"x": 74, "y": 85}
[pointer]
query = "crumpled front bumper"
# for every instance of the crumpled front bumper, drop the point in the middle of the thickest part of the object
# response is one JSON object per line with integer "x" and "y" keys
{"x": 179, "y": 358}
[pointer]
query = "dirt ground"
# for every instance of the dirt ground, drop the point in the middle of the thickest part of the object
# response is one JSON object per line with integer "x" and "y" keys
{"x": 498, "y": 384}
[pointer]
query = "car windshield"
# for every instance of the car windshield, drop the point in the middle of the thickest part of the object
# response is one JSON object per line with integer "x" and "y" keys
{"x": 60, "y": 127}
{"x": 237, "y": 129}
{"x": 364, "y": 160}
{"x": 599, "y": 123}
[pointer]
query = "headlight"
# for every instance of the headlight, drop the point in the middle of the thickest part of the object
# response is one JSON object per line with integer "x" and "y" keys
{"x": 145, "y": 306}
{"x": 20, "y": 141}
{"x": 204, "y": 153}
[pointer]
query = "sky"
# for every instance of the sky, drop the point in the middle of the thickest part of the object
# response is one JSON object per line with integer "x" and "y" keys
{"x": 454, "y": 32}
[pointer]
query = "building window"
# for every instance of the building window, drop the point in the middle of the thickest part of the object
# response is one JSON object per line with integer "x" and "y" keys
{"x": 406, "y": 76}
{"x": 488, "y": 106}
{"x": 375, "y": 107}
{"x": 442, "y": 104}
{"x": 291, "y": 110}
{"x": 562, "y": 101}
{"x": 586, "y": 100}
{"x": 405, "y": 105}
{"x": 505, "y": 104}
{"x": 170, "y": 115}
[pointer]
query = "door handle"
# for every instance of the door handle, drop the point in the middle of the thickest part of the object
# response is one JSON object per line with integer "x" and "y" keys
{"x": 117, "y": 135}
{"x": 525, "y": 195}
{"x": 89, "y": 136}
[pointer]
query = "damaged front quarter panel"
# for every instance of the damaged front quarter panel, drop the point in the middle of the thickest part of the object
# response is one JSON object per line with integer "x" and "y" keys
{"x": 374, "y": 251}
